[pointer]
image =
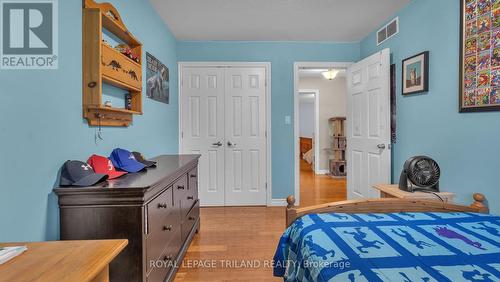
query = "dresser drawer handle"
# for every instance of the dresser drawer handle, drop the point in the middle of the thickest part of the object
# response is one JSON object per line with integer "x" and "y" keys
{"x": 192, "y": 175}
{"x": 190, "y": 198}
{"x": 167, "y": 228}
{"x": 191, "y": 218}
{"x": 181, "y": 187}
{"x": 162, "y": 205}
{"x": 167, "y": 258}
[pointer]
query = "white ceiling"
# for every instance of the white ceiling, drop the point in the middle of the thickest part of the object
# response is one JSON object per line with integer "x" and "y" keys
{"x": 317, "y": 72}
{"x": 276, "y": 20}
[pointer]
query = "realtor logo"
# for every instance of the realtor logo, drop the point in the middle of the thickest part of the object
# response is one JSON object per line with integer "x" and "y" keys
{"x": 29, "y": 37}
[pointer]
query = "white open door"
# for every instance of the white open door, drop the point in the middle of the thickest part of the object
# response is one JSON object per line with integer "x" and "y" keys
{"x": 368, "y": 125}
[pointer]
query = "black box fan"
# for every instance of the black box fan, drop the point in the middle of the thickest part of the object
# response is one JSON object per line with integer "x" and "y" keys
{"x": 420, "y": 173}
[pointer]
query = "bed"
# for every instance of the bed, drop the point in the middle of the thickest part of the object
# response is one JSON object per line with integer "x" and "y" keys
{"x": 389, "y": 240}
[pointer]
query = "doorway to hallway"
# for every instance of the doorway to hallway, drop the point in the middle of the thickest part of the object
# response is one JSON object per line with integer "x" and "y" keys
{"x": 321, "y": 93}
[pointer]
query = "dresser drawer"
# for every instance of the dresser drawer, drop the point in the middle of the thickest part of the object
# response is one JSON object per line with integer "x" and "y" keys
{"x": 161, "y": 234}
{"x": 158, "y": 209}
{"x": 193, "y": 182}
{"x": 180, "y": 187}
{"x": 189, "y": 198}
{"x": 166, "y": 261}
{"x": 189, "y": 220}
{"x": 186, "y": 202}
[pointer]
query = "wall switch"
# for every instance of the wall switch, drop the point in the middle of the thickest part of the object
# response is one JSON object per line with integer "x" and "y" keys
{"x": 288, "y": 120}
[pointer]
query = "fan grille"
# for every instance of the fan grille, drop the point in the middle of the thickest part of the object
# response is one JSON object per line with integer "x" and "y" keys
{"x": 424, "y": 172}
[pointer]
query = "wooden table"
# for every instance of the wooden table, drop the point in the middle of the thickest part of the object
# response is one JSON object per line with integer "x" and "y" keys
{"x": 393, "y": 191}
{"x": 62, "y": 261}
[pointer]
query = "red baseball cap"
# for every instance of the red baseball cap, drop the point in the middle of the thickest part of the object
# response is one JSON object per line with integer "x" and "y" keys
{"x": 104, "y": 165}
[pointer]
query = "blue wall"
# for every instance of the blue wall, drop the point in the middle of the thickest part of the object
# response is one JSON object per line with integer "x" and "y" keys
{"x": 466, "y": 146}
{"x": 282, "y": 56}
{"x": 41, "y": 122}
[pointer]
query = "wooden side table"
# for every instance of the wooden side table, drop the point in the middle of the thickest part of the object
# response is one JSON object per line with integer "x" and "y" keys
{"x": 393, "y": 191}
{"x": 62, "y": 261}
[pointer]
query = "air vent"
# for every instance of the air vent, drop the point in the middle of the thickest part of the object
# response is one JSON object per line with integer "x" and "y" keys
{"x": 388, "y": 31}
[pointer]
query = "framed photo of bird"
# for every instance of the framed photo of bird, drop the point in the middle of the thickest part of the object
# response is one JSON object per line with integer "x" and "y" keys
{"x": 416, "y": 74}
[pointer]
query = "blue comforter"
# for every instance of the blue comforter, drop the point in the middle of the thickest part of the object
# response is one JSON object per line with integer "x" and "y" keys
{"x": 390, "y": 247}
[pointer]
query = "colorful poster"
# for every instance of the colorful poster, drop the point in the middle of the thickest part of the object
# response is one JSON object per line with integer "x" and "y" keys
{"x": 484, "y": 61}
{"x": 480, "y": 81}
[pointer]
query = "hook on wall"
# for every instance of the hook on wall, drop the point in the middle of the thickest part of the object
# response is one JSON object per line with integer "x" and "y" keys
{"x": 98, "y": 132}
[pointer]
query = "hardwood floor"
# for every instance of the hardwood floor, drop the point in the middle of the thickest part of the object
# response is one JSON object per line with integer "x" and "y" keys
{"x": 230, "y": 237}
{"x": 238, "y": 243}
{"x": 319, "y": 189}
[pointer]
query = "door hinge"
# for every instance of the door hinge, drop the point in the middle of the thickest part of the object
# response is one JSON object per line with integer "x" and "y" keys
{"x": 266, "y": 185}
{"x": 182, "y": 134}
{"x": 265, "y": 133}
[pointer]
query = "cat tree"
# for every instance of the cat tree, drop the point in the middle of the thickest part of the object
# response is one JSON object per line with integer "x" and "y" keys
{"x": 338, "y": 164}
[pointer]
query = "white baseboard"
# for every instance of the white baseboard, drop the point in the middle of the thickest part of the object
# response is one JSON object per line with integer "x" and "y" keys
{"x": 322, "y": 171}
{"x": 278, "y": 203}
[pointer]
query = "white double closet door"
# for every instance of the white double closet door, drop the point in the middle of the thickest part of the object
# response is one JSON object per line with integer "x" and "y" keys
{"x": 223, "y": 118}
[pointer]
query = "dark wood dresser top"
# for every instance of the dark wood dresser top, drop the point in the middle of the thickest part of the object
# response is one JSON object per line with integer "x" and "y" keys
{"x": 144, "y": 184}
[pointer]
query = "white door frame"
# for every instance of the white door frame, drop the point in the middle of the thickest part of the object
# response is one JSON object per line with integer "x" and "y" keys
{"x": 267, "y": 66}
{"x": 296, "y": 67}
{"x": 316, "y": 127}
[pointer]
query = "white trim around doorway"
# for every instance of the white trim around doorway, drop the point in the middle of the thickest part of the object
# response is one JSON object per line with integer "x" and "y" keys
{"x": 296, "y": 67}
{"x": 267, "y": 65}
{"x": 316, "y": 126}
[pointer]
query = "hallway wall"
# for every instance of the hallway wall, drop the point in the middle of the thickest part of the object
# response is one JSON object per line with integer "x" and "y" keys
{"x": 332, "y": 103}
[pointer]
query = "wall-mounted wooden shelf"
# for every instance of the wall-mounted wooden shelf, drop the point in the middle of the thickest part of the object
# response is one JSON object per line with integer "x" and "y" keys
{"x": 118, "y": 54}
{"x": 117, "y": 110}
{"x": 104, "y": 64}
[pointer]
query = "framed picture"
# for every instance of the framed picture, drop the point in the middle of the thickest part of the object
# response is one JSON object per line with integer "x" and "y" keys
{"x": 416, "y": 74}
{"x": 157, "y": 80}
{"x": 479, "y": 56}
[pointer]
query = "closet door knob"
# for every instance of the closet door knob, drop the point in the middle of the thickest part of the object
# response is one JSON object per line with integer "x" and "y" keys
{"x": 218, "y": 144}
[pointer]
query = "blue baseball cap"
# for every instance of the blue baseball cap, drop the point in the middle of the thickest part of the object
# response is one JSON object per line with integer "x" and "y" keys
{"x": 125, "y": 160}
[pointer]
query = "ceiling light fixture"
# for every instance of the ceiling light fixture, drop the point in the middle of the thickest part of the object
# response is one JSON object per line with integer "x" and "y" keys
{"x": 330, "y": 74}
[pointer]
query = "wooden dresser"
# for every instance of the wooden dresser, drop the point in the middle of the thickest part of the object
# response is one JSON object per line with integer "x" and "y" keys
{"x": 306, "y": 144}
{"x": 156, "y": 210}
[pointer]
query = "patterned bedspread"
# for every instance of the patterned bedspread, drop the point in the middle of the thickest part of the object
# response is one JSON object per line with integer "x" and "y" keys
{"x": 390, "y": 247}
